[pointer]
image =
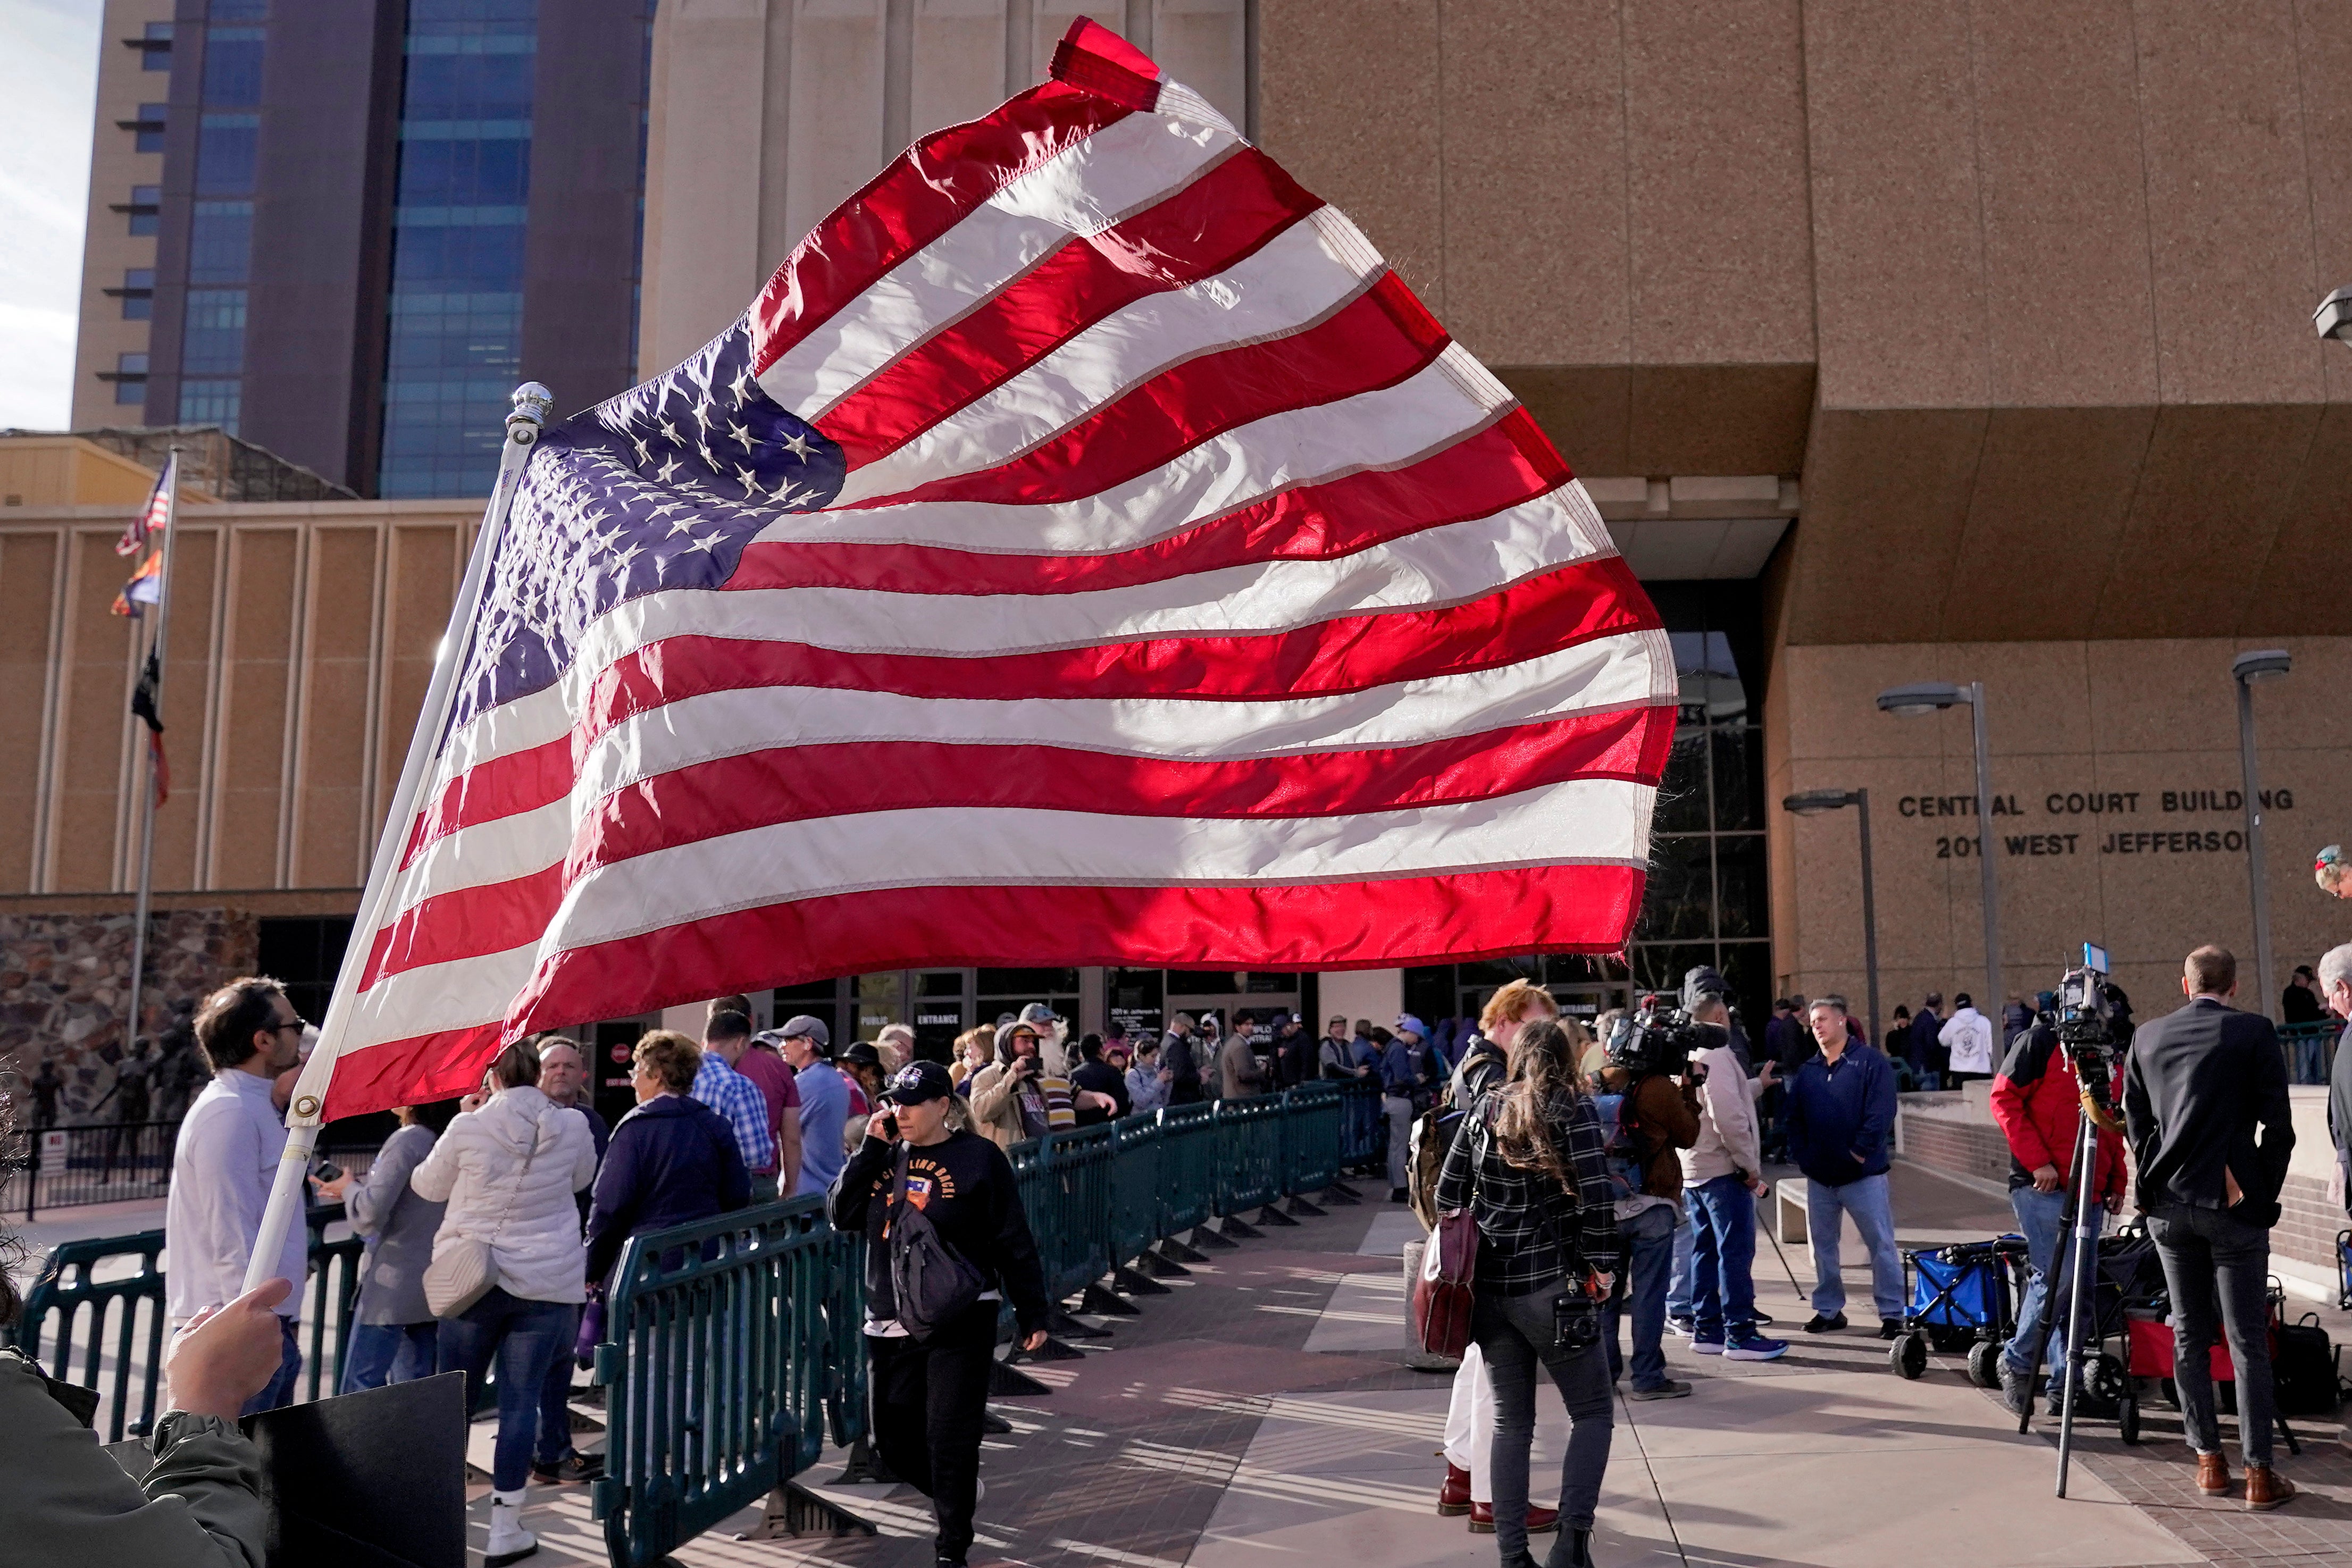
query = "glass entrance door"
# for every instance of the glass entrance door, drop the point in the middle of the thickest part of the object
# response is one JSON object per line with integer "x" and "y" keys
{"x": 942, "y": 1011}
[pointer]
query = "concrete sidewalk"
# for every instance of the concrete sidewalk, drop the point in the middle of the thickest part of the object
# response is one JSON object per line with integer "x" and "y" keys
{"x": 1260, "y": 1415}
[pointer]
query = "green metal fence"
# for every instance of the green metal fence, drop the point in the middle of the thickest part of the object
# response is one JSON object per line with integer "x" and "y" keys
{"x": 731, "y": 1343}
{"x": 96, "y": 1316}
{"x": 2294, "y": 1038}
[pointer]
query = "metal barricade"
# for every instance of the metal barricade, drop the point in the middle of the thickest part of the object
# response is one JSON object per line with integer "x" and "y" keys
{"x": 1138, "y": 1185}
{"x": 1310, "y": 1137}
{"x": 1069, "y": 1204}
{"x": 1249, "y": 1153}
{"x": 2309, "y": 1049}
{"x": 97, "y": 1314}
{"x": 729, "y": 1344}
{"x": 1187, "y": 1169}
{"x": 1359, "y": 1122}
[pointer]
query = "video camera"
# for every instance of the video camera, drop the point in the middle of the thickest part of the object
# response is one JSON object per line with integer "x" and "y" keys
{"x": 1658, "y": 1038}
{"x": 2092, "y": 1018}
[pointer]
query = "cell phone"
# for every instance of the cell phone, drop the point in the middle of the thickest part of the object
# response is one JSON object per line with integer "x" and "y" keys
{"x": 891, "y": 1126}
{"x": 328, "y": 1170}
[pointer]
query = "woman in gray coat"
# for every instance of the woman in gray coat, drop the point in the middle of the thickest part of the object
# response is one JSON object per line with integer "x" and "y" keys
{"x": 394, "y": 1336}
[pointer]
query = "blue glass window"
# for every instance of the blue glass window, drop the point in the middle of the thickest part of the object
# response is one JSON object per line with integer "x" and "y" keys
{"x": 233, "y": 68}
{"x": 155, "y": 47}
{"x": 145, "y": 211}
{"x": 211, "y": 403}
{"x": 138, "y": 292}
{"x": 130, "y": 378}
{"x": 227, "y": 145}
{"x": 212, "y": 343}
{"x": 455, "y": 347}
{"x": 149, "y": 128}
{"x": 220, "y": 242}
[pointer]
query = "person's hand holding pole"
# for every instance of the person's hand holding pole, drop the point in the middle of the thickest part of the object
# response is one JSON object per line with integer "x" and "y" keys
{"x": 227, "y": 1355}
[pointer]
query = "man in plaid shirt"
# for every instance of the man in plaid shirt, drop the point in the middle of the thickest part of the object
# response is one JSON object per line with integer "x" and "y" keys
{"x": 718, "y": 1085}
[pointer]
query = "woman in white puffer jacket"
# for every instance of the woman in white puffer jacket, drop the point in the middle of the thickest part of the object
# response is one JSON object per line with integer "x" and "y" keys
{"x": 508, "y": 1172}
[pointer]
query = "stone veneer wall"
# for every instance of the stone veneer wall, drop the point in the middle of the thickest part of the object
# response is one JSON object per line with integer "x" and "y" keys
{"x": 64, "y": 979}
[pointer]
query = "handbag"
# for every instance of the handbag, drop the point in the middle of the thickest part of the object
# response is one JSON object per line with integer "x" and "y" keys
{"x": 463, "y": 1269}
{"x": 1442, "y": 1291}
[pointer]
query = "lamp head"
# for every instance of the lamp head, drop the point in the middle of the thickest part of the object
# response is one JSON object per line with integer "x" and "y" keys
{"x": 2334, "y": 316}
{"x": 1923, "y": 696}
{"x": 2261, "y": 664}
{"x": 1814, "y": 802}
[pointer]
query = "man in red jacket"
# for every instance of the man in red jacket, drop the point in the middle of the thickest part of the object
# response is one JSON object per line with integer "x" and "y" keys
{"x": 2037, "y": 1100}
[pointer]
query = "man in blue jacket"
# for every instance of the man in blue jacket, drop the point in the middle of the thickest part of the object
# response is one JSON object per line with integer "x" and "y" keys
{"x": 1841, "y": 1121}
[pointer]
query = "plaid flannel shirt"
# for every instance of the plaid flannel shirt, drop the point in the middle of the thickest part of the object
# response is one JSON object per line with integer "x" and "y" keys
{"x": 739, "y": 1100}
{"x": 1532, "y": 1230}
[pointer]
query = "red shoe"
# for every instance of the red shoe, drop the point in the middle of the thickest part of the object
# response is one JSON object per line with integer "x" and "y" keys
{"x": 1453, "y": 1497}
{"x": 1540, "y": 1520}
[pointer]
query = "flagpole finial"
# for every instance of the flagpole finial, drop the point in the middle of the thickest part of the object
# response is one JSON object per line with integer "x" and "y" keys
{"x": 532, "y": 404}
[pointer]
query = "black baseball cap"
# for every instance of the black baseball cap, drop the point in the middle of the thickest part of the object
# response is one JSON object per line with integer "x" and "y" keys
{"x": 917, "y": 1082}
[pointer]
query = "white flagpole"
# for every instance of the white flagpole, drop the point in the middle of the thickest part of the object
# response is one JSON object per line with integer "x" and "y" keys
{"x": 171, "y": 485}
{"x": 532, "y": 403}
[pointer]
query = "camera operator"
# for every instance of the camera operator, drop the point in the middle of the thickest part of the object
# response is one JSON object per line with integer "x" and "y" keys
{"x": 2198, "y": 1083}
{"x": 1649, "y": 1118}
{"x": 1530, "y": 1164}
{"x": 2038, "y": 1101}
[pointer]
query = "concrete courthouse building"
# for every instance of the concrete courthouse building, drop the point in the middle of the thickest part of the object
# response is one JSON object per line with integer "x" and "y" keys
{"x": 1897, "y": 343}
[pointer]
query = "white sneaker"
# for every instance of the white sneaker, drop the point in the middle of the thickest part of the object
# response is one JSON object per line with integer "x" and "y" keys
{"x": 510, "y": 1542}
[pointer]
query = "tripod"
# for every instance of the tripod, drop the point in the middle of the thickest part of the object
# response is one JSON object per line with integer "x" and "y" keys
{"x": 2079, "y": 1236}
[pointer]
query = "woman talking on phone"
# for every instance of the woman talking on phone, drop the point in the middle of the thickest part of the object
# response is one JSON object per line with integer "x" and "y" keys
{"x": 1527, "y": 1163}
{"x": 947, "y": 1243}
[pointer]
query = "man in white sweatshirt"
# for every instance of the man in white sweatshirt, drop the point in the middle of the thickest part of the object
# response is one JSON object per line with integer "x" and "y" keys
{"x": 1968, "y": 1036}
{"x": 1720, "y": 1185}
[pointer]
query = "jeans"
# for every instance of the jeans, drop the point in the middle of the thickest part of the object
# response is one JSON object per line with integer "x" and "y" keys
{"x": 1650, "y": 1249}
{"x": 380, "y": 1354}
{"x": 1678, "y": 1284}
{"x": 1470, "y": 1423}
{"x": 2310, "y": 1060}
{"x": 279, "y": 1392}
{"x": 1515, "y": 1332}
{"x": 555, "y": 1398}
{"x": 2041, "y": 1219}
{"x": 1400, "y": 1112}
{"x": 524, "y": 1336}
{"x": 1867, "y": 1199}
{"x": 2212, "y": 1259}
{"x": 1723, "y": 1258}
{"x": 929, "y": 1398}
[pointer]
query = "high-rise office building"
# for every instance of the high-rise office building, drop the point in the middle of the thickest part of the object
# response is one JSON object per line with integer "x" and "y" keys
{"x": 330, "y": 228}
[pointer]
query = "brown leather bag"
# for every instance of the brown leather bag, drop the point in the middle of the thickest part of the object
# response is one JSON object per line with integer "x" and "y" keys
{"x": 1442, "y": 1291}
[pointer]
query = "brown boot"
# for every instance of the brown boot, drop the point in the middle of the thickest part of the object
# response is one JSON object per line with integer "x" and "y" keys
{"x": 2213, "y": 1475}
{"x": 2266, "y": 1488}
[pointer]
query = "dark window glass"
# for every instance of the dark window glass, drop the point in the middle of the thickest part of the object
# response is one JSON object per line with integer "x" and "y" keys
{"x": 1267, "y": 984}
{"x": 1429, "y": 995}
{"x": 130, "y": 364}
{"x": 1738, "y": 778}
{"x": 145, "y": 217}
{"x": 139, "y": 307}
{"x": 1500, "y": 971}
{"x": 227, "y": 146}
{"x": 138, "y": 293}
{"x": 1743, "y": 901}
{"x": 139, "y": 277}
{"x": 233, "y": 68}
{"x": 1660, "y": 965}
{"x": 155, "y": 50}
{"x": 815, "y": 990}
{"x": 1748, "y": 965}
{"x": 1679, "y": 901}
{"x": 220, "y": 242}
{"x": 1201, "y": 982}
{"x": 939, "y": 983}
{"x": 211, "y": 403}
{"x": 131, "y": 390}
{"x": 1682, "y": 794}
{"x": 1028, "y": 982}
{"x": 238, "y": 10}
{"x": 150, "y": 134}
{"x": 212, "y": 344}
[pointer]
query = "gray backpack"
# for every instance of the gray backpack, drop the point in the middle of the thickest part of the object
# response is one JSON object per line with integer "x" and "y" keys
{"x": 928, "y": 1280}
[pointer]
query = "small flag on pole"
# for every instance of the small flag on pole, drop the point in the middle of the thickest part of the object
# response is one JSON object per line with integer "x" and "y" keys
{"x": 154, "y": 515}
{"x": 143, "y": 705}
{"x": 146, "y": 586}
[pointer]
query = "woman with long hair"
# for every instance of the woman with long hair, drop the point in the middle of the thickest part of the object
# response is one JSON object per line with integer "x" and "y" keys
{"x": 1527, "y": 1163}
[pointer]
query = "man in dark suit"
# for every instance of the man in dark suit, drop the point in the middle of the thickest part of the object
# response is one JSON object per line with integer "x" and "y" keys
{"x": 2198, "y": 1086}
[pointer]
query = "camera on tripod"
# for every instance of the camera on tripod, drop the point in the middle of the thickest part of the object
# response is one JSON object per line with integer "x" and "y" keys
{"x": 2092, "y": 1018}
{"x": 1658, "y": 1038}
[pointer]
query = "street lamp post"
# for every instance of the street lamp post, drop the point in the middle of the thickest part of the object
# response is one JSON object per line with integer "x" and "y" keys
{"x": 2265, "y": 665}
{"x": 1812, "y": 802}
{"x": 1931, "y": 696}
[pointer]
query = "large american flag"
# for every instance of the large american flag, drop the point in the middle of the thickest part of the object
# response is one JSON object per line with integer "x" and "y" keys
{"x": 1085, "y": 550}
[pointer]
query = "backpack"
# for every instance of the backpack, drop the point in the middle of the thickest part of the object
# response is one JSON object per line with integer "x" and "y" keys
{"x": 1623, "y": 1146}
{"x": 2304, "y": 1369}
{"x": 928, "y": 1280}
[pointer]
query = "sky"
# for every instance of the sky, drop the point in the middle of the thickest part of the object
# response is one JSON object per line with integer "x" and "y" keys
{"x": 48, "y": 85}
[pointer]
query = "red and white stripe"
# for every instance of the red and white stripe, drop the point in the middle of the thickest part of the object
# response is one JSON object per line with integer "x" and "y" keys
{"x": 1193, "y": 600}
